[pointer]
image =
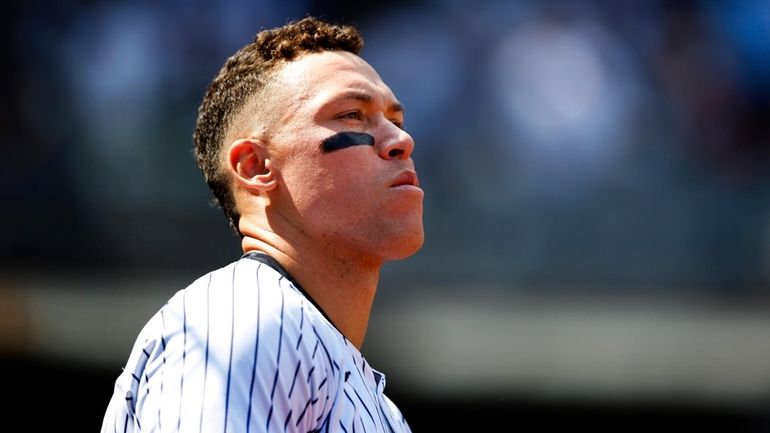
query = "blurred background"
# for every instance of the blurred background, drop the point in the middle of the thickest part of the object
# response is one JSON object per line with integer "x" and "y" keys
{"x": 597, "y": 204}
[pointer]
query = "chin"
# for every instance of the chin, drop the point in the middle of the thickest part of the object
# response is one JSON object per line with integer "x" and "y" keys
{"x": 407, "y": 245}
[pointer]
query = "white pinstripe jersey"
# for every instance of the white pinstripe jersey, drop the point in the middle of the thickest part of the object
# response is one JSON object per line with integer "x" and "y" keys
{"x": 243, "y": 349}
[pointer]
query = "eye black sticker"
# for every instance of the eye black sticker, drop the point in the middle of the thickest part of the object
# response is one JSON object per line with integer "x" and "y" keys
{"x": 344, "y": 139}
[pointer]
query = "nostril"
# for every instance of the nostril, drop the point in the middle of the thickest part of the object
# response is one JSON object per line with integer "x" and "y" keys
{"x": 394, "y": 153}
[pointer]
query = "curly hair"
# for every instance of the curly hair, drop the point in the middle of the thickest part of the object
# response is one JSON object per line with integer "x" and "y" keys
{"x": 242, "y": 78}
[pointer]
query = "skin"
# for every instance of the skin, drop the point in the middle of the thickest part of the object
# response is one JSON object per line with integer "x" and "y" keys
{"x": 332, "y": 219}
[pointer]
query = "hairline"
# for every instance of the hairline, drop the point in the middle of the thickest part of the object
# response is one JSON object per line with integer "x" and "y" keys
{"x": 243, "y": 119}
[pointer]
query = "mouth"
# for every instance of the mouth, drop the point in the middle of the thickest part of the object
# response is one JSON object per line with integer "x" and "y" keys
{"x": 407, "y": 177}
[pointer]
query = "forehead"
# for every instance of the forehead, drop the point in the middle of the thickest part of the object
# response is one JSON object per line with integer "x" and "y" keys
{"x": 318, "y": 77}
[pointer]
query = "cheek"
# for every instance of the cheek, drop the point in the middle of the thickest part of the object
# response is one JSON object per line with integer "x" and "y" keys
{"x": 348, "y": 175}
{"x": 354, "y": 164}
{"x": 303, "y": 182}
{"x": 323, "y": 186}
{"x": 352, "y": 187}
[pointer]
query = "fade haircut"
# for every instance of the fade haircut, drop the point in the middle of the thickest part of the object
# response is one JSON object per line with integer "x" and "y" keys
{"x": 243, "y": 76}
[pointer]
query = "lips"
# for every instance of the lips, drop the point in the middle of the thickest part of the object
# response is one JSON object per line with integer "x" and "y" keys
{"x": 407, "y": 177}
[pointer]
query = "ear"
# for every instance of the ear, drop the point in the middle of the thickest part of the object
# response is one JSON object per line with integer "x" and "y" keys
{"x": 250, "y": 165}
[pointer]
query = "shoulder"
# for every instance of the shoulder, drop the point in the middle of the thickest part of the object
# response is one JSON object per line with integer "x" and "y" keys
{"x": 250, "y": 302}
{"x": 243, "y": 287}
{"x": 244, "y": 334}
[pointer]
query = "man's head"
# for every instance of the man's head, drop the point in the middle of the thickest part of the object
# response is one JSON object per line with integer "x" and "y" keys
{"x": 298, "y": 124}
{"x": 239, "y": 87}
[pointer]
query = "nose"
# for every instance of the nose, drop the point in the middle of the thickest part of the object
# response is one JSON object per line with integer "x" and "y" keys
{"x": 397, "y": 144}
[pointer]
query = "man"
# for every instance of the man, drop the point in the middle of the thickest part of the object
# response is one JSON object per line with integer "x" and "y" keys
{"x": 304, "y": 148}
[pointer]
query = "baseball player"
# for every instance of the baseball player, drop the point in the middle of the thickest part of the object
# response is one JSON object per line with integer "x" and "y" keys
{"x": 304, "y": 148}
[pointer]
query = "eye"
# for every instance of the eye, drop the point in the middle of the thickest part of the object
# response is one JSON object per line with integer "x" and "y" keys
{"x": 399, "y": 123}
{"x": 355, "y": 115}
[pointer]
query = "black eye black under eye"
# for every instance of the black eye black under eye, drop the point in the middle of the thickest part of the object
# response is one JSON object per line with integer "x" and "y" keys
{"x": 344, "y": 139}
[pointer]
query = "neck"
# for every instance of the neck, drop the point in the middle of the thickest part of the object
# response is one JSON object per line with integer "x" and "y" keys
{"x": 342, "y": 286}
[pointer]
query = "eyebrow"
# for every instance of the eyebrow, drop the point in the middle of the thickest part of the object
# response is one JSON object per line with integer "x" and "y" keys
{"x": 367, "y": 98}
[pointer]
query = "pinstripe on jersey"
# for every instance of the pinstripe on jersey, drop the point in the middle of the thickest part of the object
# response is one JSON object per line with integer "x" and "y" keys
{"x": 243, "y": 349}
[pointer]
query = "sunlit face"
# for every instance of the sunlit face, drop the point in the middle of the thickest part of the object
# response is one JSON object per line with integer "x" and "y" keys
{"x": 355, "y": 198}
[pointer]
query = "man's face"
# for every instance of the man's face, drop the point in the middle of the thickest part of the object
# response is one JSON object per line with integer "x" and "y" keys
{"x": 346, "y": 176}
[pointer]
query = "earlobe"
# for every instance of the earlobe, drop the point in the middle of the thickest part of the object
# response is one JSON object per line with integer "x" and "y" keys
{"x": 250, "y": 165}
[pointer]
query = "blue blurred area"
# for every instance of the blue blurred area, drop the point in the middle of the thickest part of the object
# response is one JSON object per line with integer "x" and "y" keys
{"x": 567, "y": 148}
